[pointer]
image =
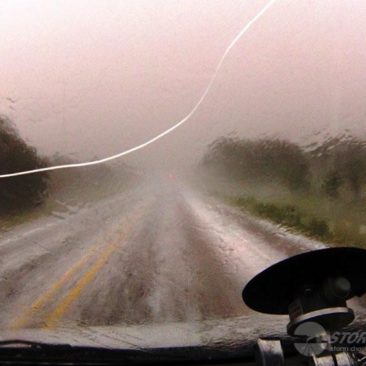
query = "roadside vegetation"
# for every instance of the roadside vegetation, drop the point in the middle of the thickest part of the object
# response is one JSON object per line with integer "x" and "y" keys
{"x": 77, "y": 187}
{"x": 28, "y": 197}
{"x": 318, "y": 190}
{"x": 19, "y": 194}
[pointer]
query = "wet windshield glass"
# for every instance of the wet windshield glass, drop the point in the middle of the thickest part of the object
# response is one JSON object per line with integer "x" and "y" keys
{"x": 219, "y": 137}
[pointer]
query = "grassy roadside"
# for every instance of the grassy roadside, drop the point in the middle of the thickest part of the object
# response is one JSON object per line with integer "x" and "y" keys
{"x": 318, "y": 189}
{"x": 11, "y": 220}
{"x": 60, "y": 201}
{"x": 316, "y": 217}
{"x": 16, "y": 218}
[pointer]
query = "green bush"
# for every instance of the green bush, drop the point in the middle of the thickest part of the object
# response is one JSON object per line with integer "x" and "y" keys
{"x": 318, "y": 228}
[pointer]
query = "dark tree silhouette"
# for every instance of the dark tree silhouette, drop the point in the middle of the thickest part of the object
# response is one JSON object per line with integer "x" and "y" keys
{"x": 18, "y": 193}
{"x": 260, "y": 160}
{"x": 332, "y": 183}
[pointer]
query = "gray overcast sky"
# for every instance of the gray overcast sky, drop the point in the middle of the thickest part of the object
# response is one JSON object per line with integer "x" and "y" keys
{"x": 97, "y": 77}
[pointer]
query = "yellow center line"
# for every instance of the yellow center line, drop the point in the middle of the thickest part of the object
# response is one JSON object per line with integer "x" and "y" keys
{"x": 54, "y": 317}
{"x": 47, "y": 296}
{"x": 73, "y": 294}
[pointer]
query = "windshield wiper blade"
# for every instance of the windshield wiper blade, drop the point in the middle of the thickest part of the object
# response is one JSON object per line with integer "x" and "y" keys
{"x": 32, "y": 344}
{"x": 15, "y": 351}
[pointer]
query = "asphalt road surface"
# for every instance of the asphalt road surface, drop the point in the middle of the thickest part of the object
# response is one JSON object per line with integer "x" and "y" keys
{"x": 152, "y": 255}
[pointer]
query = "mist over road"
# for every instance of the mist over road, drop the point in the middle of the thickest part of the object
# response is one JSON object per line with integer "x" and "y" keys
{"x": 156, "y": 254}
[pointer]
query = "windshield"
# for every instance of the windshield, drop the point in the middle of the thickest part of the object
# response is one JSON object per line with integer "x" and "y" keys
{"x": 156, "y": 155}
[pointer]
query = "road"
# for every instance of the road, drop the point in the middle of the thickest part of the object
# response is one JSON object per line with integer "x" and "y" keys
{"x": 153, "y": 255}
{"x": 161, "y": 254}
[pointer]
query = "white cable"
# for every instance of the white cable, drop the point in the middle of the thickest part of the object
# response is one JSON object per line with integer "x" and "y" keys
{"x": 169, "y": 130}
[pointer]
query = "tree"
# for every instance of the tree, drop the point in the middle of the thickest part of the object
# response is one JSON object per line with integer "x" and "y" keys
{"x": 25, "y": 191}
{"x": 332, "y": 183}
{"x": 351, "y": 162}
{"x": 345, "y": 160}
{"x": 262, "y": 160}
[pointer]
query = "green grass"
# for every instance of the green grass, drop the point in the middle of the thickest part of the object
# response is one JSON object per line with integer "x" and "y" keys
{"x": 313, "y": 216}
{"x": 16, "y": 218}
{"x": 74, "y": 196}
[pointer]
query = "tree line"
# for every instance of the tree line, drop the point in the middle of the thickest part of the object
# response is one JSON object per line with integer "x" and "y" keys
{"x": 336, "y": 168}
{"x": 18, "y": 193}
{"x": 25, "y": 192}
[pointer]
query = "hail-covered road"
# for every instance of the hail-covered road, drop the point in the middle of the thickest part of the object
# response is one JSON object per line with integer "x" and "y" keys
{"x": 154, "y": 255}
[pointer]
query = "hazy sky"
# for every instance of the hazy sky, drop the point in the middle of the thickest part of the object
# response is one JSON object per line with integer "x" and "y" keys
{"x": 97, "y": 77}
